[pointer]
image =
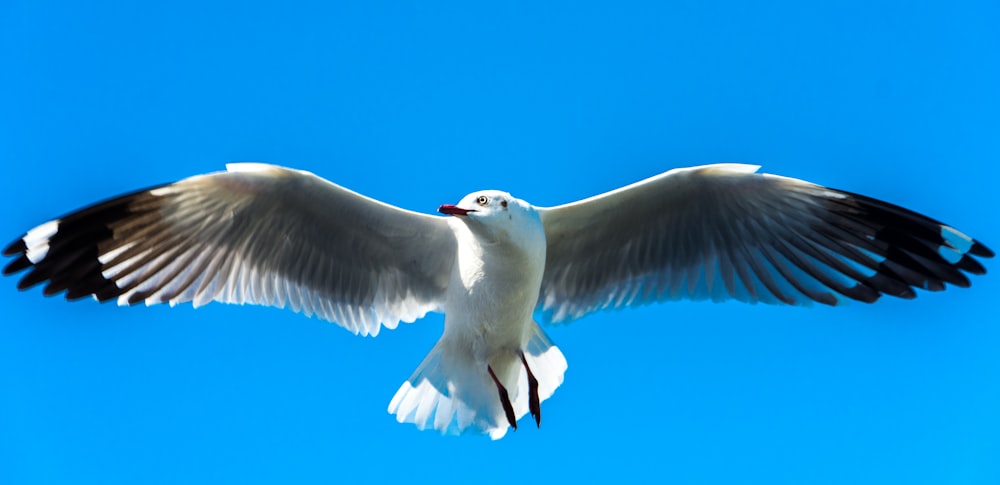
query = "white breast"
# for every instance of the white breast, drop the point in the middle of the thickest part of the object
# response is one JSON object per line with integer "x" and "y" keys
{"x": 493, "y": 291}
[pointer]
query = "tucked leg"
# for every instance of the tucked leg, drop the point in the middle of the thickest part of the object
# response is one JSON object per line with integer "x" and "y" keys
{"x": 534, "y": 404}
{"x": 508, "y": 409}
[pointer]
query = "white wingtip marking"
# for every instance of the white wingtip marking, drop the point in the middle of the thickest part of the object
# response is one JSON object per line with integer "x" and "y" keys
{"x": 956, "y": 239}
{"x": 37, "y": 240}
{"x": 41, "y": 234}
{"x": 37, "y": 253}
{"x": 956, "y": 244}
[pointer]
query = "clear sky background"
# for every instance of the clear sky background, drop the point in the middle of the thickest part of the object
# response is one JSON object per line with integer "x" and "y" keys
{"x": 419, "y": 103}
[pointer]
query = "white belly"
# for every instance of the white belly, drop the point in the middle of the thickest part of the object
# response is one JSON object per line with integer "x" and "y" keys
{"x": 490, "y": 302}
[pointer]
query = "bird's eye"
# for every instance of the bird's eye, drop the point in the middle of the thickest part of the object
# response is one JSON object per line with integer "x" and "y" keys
{"x": 482, "y": 200}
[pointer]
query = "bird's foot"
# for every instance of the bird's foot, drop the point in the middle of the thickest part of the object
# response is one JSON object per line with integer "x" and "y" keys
{"x": 534, "y": 404}
{"x": 508, "y": 409}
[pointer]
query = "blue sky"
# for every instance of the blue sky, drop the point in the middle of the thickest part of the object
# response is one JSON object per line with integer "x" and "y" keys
{"x": 419, "y": 103}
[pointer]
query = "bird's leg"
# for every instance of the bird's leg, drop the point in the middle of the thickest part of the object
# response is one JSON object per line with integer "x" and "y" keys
{"x": 534, "y": 404}
{"x": 508, "y": 409}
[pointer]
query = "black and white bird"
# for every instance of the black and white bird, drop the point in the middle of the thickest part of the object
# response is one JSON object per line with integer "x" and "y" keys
{"x": 268, "y": 235}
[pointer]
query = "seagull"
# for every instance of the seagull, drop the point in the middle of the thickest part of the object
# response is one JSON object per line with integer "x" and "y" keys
{"x": 493, "y": 264}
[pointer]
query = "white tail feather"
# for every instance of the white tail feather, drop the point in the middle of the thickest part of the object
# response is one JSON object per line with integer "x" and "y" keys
{"x": 453, "y": 394}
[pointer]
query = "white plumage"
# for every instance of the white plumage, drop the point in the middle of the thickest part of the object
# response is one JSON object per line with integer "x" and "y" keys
{"x": 268, "y": 235}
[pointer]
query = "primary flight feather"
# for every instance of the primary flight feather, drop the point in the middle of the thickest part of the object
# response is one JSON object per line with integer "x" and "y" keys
{"x": 269, "y": 235}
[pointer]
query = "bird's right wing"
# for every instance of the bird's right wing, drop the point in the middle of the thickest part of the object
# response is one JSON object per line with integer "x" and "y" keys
{"x": 257, "y": 234}
{"x": 727, "y": 232}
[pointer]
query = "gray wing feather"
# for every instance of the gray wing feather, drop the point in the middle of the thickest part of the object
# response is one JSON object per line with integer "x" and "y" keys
{"x": 725, "y": 232}
{"x": 257, "y": 234}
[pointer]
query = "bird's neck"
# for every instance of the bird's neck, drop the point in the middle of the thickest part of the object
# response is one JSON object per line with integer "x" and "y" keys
{"x": 519, "y": 261}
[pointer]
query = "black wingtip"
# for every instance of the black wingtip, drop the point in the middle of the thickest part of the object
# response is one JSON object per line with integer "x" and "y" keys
{"x": 15, "y": 247}
{"x": 970, "y": 265}
{"x": 33, "y": 278}
{"x": 17, "y": 265}
{"x": 980, "y": 249}
{"x": 70, "y": 262}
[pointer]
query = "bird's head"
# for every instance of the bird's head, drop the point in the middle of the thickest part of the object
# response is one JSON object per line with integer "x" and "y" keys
{"x": 493, "y": 215}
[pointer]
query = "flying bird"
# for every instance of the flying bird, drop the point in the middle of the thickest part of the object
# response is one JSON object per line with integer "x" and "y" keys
{"x": 493, "y": 264}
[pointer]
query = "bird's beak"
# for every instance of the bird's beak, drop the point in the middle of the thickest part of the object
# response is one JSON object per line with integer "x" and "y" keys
{"x": 454, "y": 210}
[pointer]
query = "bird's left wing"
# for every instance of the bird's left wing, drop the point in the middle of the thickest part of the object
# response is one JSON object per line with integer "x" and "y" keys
{"x": 257, "y": 234}
{"x": 726, "y": 232}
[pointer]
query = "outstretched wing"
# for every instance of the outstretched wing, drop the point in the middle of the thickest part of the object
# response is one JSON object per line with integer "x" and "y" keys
{"x": 724, "y": 231}
{"x": 257, "y": 234}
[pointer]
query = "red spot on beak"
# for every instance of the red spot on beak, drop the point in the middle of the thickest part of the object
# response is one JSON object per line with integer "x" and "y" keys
{"x": 454, "y": 210}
